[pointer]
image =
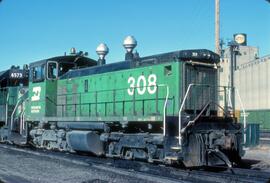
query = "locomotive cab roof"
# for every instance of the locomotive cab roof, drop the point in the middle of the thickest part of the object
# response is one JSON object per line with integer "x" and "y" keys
{"x": 54, "y": 67}
{"x": 80, "y": 61}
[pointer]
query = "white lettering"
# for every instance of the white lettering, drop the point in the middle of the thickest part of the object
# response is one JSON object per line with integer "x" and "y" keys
{"x": 141, "y": 89}
{"x": 142, "y": 84}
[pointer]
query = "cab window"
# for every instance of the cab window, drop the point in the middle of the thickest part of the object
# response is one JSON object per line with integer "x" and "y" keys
{"x": 52, "y": 70}
{"x": 65, "y": 67}
{"x": 37, "y": 73}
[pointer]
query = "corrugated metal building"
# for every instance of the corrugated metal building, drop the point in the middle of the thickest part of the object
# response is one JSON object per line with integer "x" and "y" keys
{"x": 252, "y": 80}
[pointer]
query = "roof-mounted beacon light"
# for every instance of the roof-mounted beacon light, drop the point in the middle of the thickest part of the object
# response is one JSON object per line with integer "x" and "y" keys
{"x": 129, "y": 44}
{"x": 102, "y": 50}
{"x": 72, "y": 51}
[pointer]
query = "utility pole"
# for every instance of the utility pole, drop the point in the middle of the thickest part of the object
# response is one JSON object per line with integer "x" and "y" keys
{"x": 217, "y": 27}
{"x": 217, "y": 42}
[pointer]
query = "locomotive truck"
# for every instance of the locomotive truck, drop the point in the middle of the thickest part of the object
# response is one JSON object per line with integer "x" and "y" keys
{"x": 160, "y": 108}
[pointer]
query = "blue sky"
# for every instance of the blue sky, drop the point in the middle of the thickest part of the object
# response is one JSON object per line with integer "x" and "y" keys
{"x": 33, "y": 30}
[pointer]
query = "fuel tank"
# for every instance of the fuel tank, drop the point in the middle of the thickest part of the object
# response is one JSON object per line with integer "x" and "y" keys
{"x": 86, "y": 141}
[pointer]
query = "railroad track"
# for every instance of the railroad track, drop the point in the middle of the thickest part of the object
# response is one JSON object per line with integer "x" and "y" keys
{"x": 152, "y": 172}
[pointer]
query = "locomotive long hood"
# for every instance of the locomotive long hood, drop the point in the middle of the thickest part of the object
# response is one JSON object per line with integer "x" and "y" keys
{"x": 207, "y": 56}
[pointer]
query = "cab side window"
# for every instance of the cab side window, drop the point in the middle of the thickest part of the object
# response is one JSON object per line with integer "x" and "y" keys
{"x": 52, "y": 70}
{"x": 65, "y": 67}
{"x": 37, "y": 73}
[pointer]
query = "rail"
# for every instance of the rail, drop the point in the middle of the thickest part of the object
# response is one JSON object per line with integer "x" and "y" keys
{"x": 199, "y": 115}
{"x": 6, "y": 122}
{"x": 164, "y": 108}
{"x": 181, "y": 109}
{"x": 22, "y": 121}
{"x": 114, "y": 102}
{"x": 110, "y": 106}
{"x": 244, "y": 113}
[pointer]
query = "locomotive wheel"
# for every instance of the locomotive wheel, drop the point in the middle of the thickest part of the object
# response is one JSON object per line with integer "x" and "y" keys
{"x": 195, "y": 151}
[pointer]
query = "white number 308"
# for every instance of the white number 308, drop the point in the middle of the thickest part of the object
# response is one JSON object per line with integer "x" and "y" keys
{"x": 142, "y": 85}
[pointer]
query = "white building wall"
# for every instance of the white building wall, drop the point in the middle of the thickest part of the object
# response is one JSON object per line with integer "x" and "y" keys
{"x": 251, "y": 78}
{"x": 253, "y": 82}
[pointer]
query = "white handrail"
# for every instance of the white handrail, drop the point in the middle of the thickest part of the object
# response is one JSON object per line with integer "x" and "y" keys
{"x": 181, "y": 108}
{"x": 164, "y": 110}
{"x": 7, "y": 109}
{"x": 12, "y": 115}
{"x": 179, "y": 114}
{"x": 22, "y": 121}
{"x": 244, "y": 113}
{"x": 20, "y": 100}
{"x": 165, "y": 106}
{"x": 230, "y": 97}
{"x": 183, "y": 103}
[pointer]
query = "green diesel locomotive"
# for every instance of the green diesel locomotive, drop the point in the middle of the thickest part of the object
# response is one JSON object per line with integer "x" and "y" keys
{"x": 160, "y": 108}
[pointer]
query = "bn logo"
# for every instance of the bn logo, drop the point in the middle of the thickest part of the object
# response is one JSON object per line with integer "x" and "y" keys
{"x": 36, "y": 93}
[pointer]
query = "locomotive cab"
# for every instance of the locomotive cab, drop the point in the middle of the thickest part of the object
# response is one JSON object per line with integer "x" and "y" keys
{"x": 52, "y": 68}
{"x": 44, "y": 75}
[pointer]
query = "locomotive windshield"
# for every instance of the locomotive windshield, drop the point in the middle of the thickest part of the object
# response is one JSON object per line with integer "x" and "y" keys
{"x": 38, "y": 73}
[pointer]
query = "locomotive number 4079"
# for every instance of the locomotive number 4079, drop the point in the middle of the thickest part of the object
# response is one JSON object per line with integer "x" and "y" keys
{"x": 141, "y": 84}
